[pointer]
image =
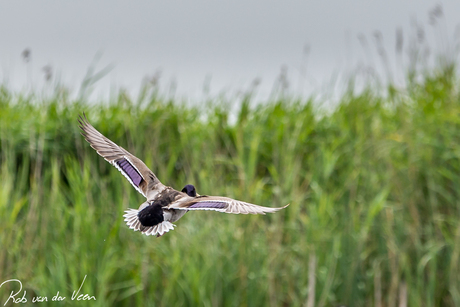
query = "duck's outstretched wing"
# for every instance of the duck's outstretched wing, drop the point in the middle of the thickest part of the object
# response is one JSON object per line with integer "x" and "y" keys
{"x": 222, "y": 204}
{"x": 137, "y": 173}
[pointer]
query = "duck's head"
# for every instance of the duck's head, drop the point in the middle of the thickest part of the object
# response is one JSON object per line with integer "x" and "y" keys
{"x": 189, "y": 190}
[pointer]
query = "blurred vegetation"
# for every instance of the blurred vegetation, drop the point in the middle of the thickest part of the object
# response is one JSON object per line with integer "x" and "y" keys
{"x": 373, "y": 185}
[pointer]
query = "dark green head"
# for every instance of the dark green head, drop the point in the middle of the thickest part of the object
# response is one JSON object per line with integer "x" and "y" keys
{"x": 189, "y": 190}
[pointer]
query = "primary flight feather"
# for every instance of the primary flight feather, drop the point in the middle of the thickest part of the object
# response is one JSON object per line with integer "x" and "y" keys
{"x": 164, "y": 205}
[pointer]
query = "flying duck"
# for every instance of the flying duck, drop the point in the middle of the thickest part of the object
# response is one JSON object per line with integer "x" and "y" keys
{"x": 164, "y": 205}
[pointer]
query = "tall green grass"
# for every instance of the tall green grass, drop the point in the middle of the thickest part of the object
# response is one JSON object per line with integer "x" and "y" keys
{"x": 373, "y": 185}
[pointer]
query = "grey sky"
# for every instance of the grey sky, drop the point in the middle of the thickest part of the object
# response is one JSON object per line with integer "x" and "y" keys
{"x": 234, "y": 42}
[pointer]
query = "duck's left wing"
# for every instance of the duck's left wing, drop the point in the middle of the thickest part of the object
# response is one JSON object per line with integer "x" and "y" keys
{"x": 222, "y": 204}
{"x": 137, "y": 173}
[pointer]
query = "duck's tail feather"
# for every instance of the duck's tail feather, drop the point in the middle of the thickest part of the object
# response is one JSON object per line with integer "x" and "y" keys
{"x": 133, "y": 222}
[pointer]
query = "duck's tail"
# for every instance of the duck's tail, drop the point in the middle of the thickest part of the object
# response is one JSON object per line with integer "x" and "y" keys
{"x": 132, "y": 220}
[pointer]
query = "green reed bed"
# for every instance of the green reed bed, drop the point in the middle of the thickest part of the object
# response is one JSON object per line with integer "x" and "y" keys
{"x": 373, "y": 185}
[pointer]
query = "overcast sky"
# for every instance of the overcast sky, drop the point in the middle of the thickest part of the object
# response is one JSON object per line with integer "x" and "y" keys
{"x": 230, "y": 43}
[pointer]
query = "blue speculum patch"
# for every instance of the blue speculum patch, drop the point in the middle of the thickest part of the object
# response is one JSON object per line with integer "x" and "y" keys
{"x": 130, "y": 171}
{"x": 209, "y": 204}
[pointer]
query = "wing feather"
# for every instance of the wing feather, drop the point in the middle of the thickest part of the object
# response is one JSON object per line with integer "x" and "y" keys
{"x": 137, "y": 173}
{"x": 222, "y": 204}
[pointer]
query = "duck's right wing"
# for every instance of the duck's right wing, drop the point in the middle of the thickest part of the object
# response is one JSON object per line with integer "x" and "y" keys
{"x": 222, "y": 204}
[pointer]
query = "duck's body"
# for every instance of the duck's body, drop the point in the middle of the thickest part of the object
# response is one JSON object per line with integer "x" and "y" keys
{"x": 164, "y": 205}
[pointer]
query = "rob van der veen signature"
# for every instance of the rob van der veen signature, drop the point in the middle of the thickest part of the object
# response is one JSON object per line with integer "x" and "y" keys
{"x": 17, "y": 298}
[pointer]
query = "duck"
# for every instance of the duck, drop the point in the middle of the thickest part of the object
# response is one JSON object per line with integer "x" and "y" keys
{"x": 163, "y": 205}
